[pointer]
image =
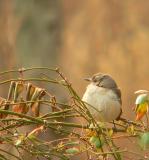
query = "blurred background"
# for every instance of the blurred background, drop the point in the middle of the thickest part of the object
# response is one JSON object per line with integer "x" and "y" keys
{"x": 82, "y": 38}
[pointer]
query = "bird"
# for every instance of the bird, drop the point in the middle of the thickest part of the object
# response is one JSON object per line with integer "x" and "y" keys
{"x": 103, "y": 98}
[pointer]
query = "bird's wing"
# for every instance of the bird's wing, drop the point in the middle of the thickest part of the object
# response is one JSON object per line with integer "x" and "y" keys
{"x": 117, "y": 91}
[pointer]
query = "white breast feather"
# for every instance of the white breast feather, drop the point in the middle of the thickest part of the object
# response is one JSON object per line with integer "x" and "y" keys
{"x": 106, "y": 106}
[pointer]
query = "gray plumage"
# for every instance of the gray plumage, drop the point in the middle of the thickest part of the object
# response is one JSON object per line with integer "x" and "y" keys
{"x": 106, "y": 81}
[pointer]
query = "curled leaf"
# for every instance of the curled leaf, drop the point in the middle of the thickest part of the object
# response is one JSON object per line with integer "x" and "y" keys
{"x": 30, "y": 91}
{"x": 38, "y": 94}
{"x": 36, "y": 109}
{"x": 19, "y": 87}
{"x": 11, "y": 90}
{"x": 34, "y": 94}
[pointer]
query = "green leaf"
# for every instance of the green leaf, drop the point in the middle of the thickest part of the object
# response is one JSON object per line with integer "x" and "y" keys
{"x": 144, "y": 141}
{"x": 93, "y": 139}
{"x": 97, "y": 141}
{"x": 72, "y": 150}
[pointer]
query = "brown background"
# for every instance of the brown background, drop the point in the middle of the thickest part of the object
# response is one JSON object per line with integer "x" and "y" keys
{"x": 82, "y": 37}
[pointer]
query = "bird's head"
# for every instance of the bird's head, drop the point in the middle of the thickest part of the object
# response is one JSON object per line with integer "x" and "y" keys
{"x": 102, "y": 80}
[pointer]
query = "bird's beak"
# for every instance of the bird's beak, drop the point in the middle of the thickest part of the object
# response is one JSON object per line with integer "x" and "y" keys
{"x": 88, "y": 79}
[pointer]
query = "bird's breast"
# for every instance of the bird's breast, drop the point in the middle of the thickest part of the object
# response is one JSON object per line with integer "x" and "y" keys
{"x": 103, "y": 103}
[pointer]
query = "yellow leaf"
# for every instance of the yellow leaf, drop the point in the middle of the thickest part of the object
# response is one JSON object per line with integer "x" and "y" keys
{"x": 110, "y": 132}
{"x": 141, "y": 110}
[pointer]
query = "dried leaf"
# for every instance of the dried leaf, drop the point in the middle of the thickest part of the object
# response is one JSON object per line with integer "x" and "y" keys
{"x": 36, "y": 131}
{"x": 19, "y": 87}
{"x": 36, "y": 109}
{"x": 38, "y": 94}
{"x": 2, "y": 101}
{"x": 4, "y": 106}
{"x": 11, "y": 90}
{"x": 32, "y": 136}
{"x": 21, "y": 108}
{"x": 30, "y": 91}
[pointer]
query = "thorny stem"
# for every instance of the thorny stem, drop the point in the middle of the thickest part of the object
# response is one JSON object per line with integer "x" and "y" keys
{"x": 28, "y": 69}
{"x": 75, "y": 108}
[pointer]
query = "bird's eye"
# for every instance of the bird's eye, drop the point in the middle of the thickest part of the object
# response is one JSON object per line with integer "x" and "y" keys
{"x": 99, "y": 84}
{"x": 94, "y": 79}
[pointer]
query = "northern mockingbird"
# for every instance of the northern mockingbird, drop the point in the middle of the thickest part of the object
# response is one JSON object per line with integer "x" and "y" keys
{"x": 103, "y": 98}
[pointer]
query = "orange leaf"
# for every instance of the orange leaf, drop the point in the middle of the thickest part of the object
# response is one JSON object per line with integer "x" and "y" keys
{"x": 36, "y": 109}
{"x": 21, "y": 108}
{"x": 140, "y": 115}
